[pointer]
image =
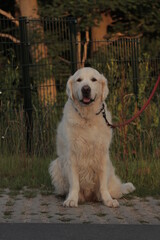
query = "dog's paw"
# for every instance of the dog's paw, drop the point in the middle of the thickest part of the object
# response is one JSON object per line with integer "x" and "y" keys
{"x": 127, "y": 188}
{"x": 70, "y": 202}
{"x": 111, "y": 203}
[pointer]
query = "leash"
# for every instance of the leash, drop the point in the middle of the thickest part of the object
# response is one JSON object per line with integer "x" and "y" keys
{"x": 135, "y": 116}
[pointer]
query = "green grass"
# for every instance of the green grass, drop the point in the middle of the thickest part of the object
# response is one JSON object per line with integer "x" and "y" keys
{"x": 136, "y": 157}
{"x": 145, "y": 175}
{"x": 17, "y": 172}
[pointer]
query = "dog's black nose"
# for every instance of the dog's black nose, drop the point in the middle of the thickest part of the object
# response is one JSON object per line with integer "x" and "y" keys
{"x": 86, "y": 90}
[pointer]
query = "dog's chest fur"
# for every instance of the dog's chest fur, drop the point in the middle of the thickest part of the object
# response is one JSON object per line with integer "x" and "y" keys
{"x": 90, "y": 146}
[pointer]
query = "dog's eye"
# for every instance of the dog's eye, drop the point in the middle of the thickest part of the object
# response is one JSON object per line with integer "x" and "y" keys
{"x": 93, "y": 79}
{"x": 79, "y": 80}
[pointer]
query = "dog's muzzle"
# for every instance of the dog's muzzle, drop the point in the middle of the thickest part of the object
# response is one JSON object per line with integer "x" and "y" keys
{"x": 86, "y": 95}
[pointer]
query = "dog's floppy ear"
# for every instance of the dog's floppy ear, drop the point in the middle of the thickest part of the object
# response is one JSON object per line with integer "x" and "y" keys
{"x": 69, "y": 88}
{"x": 105, "y": 89}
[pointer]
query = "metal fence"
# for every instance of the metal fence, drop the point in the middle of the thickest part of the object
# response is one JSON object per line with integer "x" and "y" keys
{"x": 36, "y": 59}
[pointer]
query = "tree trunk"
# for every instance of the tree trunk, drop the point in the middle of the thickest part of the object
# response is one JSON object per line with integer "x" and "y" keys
{"x": 99, "y": 32}
{"x": 28, "y": 8}
{"x": 47, "y": 89}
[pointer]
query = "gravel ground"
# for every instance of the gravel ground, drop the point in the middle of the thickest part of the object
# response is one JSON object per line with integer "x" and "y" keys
{"x": 28, "y": 206}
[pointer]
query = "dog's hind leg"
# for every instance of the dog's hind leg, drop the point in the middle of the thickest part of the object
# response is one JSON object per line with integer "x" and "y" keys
{"x": 58, "y": 180}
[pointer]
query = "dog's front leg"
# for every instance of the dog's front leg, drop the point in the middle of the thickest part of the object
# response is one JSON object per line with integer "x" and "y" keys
{"x": 105, "y": 195}
{"x": 73, "y": 178}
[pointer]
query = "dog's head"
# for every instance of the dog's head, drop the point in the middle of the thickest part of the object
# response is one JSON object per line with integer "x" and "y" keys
{"x": 86, "y": 86}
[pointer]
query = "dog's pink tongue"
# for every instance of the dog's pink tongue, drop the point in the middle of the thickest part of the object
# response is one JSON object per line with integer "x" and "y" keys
{"x": 86, "y": 100}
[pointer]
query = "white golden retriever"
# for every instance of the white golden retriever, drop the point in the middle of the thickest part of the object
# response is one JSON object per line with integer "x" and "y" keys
{"x": 83, "y": 170}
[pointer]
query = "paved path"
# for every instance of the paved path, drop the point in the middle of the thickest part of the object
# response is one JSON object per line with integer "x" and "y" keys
{"x": 30, "y": 206}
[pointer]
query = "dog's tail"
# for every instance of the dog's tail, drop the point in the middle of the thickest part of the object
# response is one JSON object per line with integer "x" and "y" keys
{"x": 57, "y": 178}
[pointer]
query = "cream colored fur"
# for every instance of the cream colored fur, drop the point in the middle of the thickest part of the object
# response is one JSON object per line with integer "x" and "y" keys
{"x": 83, "y": 170}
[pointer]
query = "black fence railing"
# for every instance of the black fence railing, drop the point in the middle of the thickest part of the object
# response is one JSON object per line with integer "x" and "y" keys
{"x": 36, "y": 59}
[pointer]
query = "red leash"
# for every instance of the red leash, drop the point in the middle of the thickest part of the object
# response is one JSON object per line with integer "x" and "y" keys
{"x": 137, "y": 114}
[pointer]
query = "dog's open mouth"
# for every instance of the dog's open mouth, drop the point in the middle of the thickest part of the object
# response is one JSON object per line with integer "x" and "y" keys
{"x": 87, "y": 101}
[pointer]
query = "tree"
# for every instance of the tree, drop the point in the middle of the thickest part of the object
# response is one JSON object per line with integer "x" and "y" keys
{"x": 47, "y": 88}
{"x": 112, "y": 19}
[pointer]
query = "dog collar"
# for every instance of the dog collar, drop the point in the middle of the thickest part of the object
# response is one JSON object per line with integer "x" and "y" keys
{"x": 104, "y": 116}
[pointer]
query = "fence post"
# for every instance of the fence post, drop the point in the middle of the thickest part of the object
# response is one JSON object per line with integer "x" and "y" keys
{"x": 24, "y": 63}
{"x": 73, "y": 45}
